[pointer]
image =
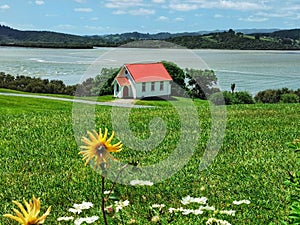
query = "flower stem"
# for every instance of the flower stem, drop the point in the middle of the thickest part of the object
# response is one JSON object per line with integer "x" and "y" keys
{"x": 103, "y": 189}
{"x": 115, "y": 181}
{"x": 103, "y": 201}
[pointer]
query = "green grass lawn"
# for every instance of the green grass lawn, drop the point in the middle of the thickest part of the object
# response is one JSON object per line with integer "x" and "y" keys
{"x": 105, "y": 98}
{"x": 39, "y": 156}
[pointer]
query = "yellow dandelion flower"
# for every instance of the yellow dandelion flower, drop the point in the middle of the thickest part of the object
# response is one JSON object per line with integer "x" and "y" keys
{"x": 98, "y": 147}
{"x": 29, "y": 216}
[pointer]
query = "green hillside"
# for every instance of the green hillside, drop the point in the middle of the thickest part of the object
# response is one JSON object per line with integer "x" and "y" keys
{"x": 282, "y": 39}
{"x": 13, "y": 37}
{"x": 232, "y": 40}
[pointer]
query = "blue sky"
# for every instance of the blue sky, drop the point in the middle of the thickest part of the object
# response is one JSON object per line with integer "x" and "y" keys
{"x": 88, "y": 17}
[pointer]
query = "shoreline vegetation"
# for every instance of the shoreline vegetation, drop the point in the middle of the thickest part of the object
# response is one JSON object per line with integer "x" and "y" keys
{"x": 100, "y": 86}
{"x": 277, "y": 40}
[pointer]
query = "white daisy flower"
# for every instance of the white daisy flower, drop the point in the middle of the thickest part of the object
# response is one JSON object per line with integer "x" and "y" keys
{"x": 141, "y": 183}
{"x": 188, "y": 199}
{"x": 159, "y": 206}
{"x": 241, "y": 202}
{"x": 208, "y": 208}
{"x": 228, "y": 212}
{"x": 198, "y": 212}
{"x": 212, "y": 221}
{"x": 88, "y": 220}
{"x": 67, "y": 218}
{"x": 121, "y": 204}
{"x": 78, "y": 211}
{"x": 83, "y": 205}
{"x": 171, "y": 210}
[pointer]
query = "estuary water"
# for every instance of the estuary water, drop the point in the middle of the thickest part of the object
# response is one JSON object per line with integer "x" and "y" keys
{"x": 251, "y": 71}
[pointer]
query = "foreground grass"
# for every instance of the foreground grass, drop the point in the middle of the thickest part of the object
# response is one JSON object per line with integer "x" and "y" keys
{"x": 39, "y": 156}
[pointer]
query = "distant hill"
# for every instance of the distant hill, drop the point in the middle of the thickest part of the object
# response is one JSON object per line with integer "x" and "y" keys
{"x": 257, "y": 31}
{"x": 239, "y": 39}
{"x": 165, "y": 35}
{"x": 13, "y": 37}
{"x": 278, "y": 40}
{"x": 292, "y": 34}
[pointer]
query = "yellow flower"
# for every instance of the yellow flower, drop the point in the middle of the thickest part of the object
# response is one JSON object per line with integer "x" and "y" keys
{"x": 98, "y": 147}
{"x": 29, "y": 217}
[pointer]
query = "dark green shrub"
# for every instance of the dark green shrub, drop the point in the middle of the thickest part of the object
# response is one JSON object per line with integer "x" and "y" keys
{"x": 222, "y": 98}
{"x": 218, "y": 99}
{"x": 267, "y": 96}
{"x": 297, "y": 92}
{"x": 229, "y": 98}
{"x": 243, "y": 97}
{"x": 289, "y": 98}
{"x": 275, "y": 96}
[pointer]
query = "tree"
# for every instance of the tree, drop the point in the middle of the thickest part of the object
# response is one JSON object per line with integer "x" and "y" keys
{"x": 201, "y": 83}
{"x": 232, "y": 87}
{"x": 85, "y": 88}
{"x": 289, "y": 98}
{"x": 231, "y": 31}
{"x": 103, "y": 81}
{"x": 178, "y": 77}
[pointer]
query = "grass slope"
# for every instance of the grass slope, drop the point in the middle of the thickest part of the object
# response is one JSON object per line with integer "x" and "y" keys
{"x": 105, "y": 98}
{"x": 39, "y": 156}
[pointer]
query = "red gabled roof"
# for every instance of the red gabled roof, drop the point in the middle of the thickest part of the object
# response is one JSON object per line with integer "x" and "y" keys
{"x": 147, "y": 72}
{"x": 123, "y": 81}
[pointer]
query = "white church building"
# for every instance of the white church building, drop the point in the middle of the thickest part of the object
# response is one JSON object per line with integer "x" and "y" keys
{"x": 142, "y": 80}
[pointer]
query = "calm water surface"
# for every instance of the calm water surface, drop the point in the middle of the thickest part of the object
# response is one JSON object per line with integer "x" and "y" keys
{"x": 251, "y": 71}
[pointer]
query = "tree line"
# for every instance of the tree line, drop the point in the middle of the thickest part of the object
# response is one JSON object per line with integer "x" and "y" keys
{"x": 186, "y": 82}
{"x": 194, "y": 83}
{"x": 35, "y": 85}
{"x": 269, "y": 96}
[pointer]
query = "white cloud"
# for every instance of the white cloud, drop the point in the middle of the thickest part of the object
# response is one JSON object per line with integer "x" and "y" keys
{"x": 51, "y": 15}
{"x": 134, "y": 12}
{"x": 142, "y": 12}
{"x": 94, "y": 28}
{"x": 66, "y": 26}
{"x": 158, "y": 1}
{"x": 243, "y": 5}
{"x": 39, "y": 2}
{"x": 254, "y": 19}
{"x": 80, "y": 1}
{"x": 292, "y": 8}
{"x": 119, "y": 12}
{"x": 273, "y": 14}
{"x": 162, "y": 18}
{"x": 4, "y": 7}
{"x": 290, "y": 12}
{"x": 220, "y": 4}
{"x": 123, "y": 4}
{"x": 83, "y": 10}
{"x": 179, "y": 19}
{"x": 183, "y": 6}
{"x": 217, "y": 16}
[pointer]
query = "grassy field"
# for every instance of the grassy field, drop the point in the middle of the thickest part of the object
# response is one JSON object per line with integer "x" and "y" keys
{"x": 39, "y": 156}
{"x": 106, "y": 98}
